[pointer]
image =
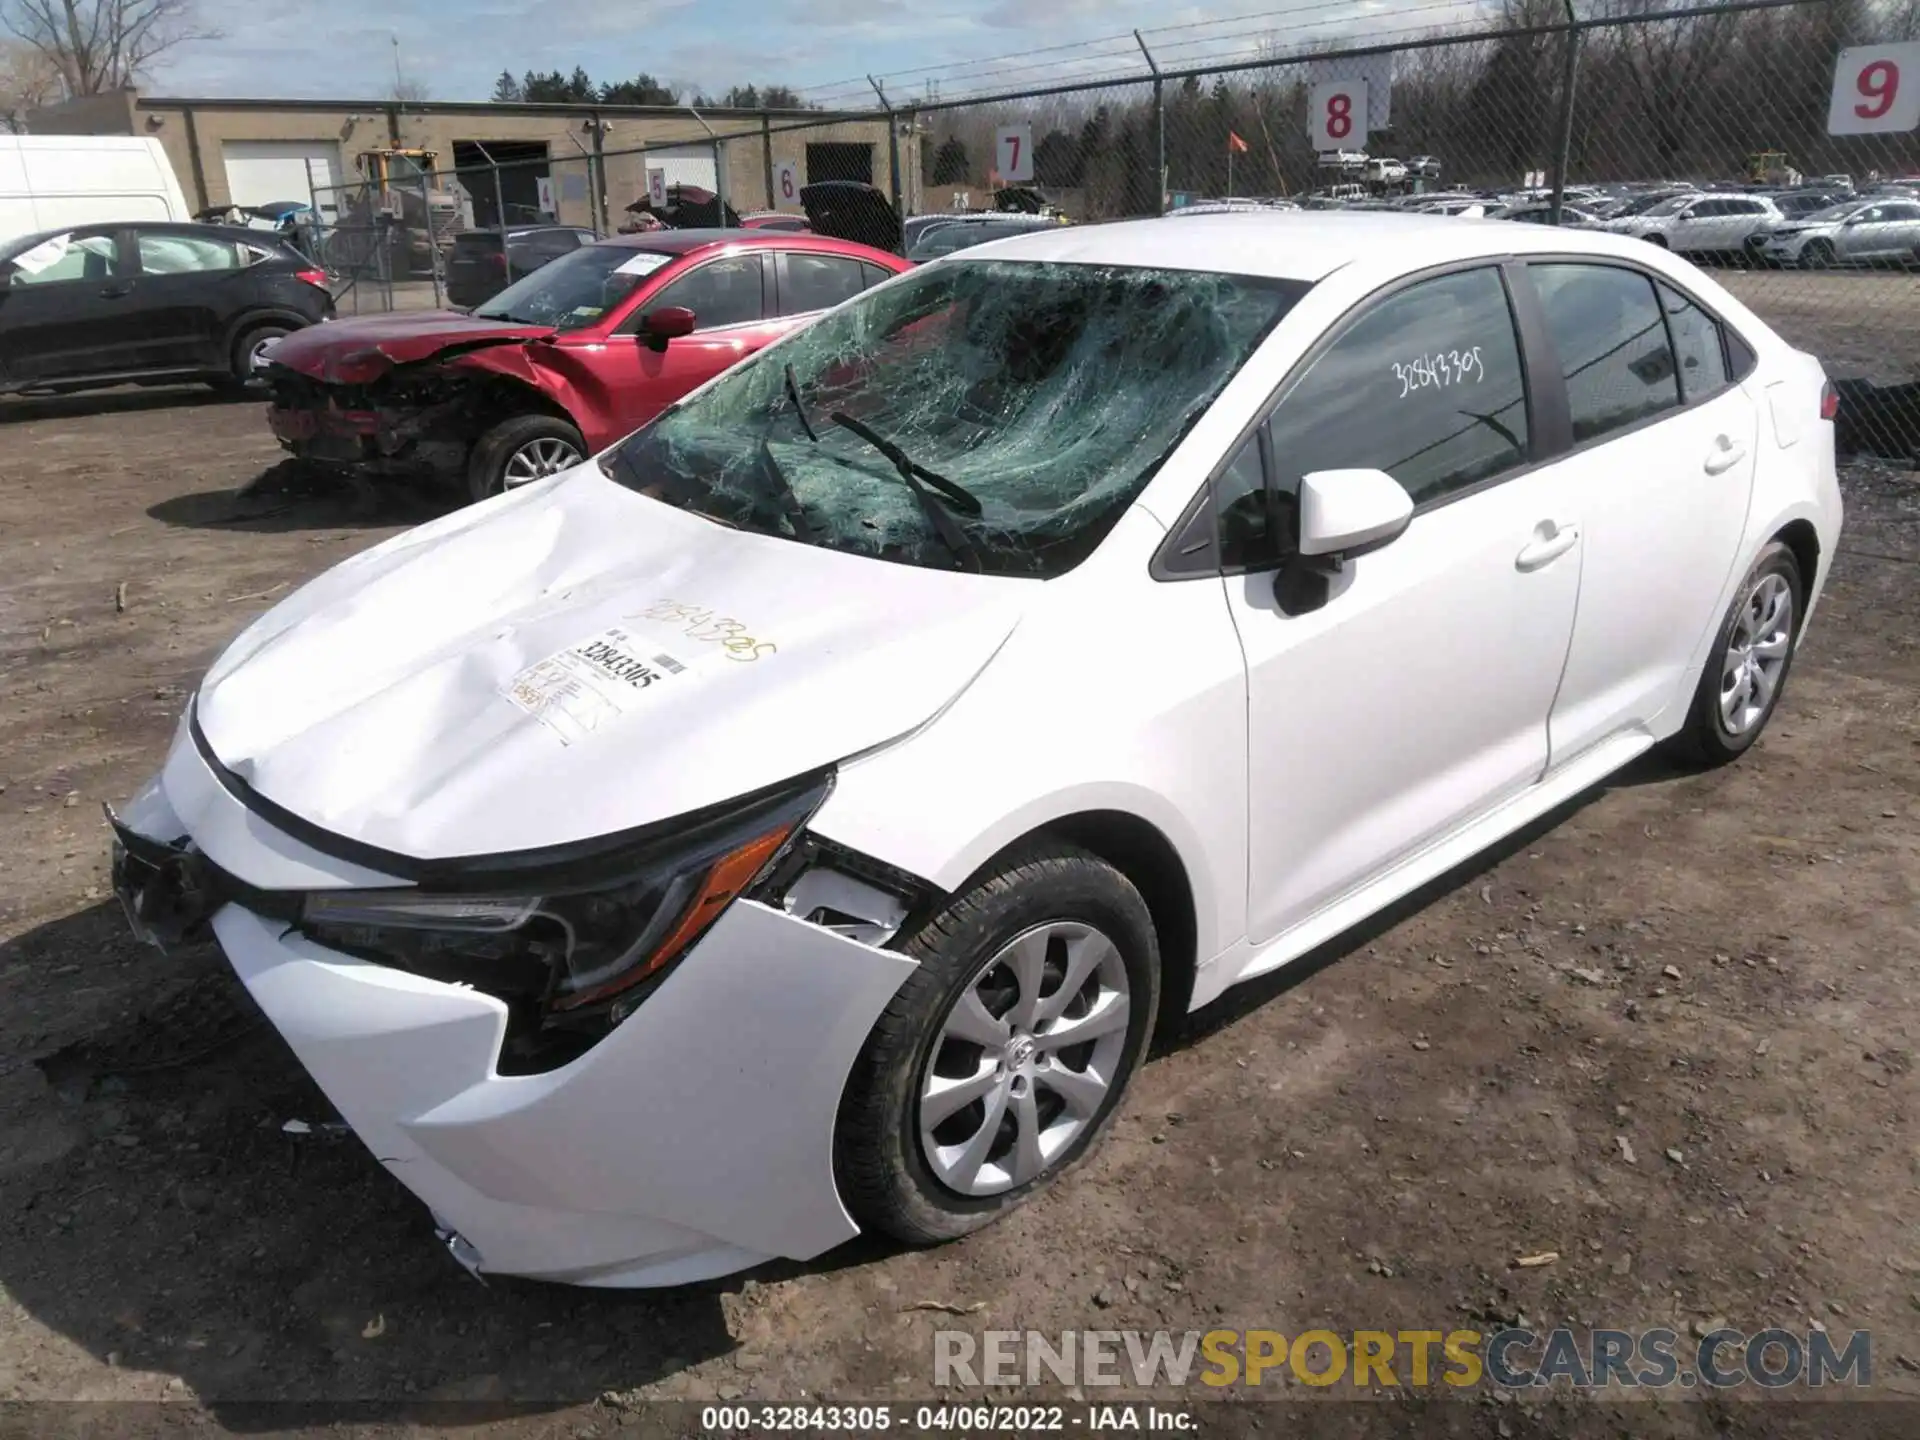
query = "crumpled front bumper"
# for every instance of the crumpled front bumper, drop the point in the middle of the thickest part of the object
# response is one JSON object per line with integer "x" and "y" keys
{"x": 695, "y": 1140}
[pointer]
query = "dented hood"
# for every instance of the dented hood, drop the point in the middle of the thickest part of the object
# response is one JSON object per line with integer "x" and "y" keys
{"x": 573, "y": 660}
{"x": 355, "y": 351}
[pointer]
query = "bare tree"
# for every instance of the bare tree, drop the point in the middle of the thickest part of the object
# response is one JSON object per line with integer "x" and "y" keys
{"x": 27, "y": 81}
{"x": 411, "y": 90}
{"x": 101, "y": 45}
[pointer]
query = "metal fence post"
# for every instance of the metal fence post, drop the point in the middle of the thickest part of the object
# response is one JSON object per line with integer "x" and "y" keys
{"x": 433, "y": 240}
{"x": 893, "y": 149}
{"x": 1563, "y": 146}
{"x": 1159, "y": 123}
{"x": 766, "y": 155}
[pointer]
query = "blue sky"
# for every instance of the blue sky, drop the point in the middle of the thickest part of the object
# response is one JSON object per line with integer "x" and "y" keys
{"x": 344, "y": 48}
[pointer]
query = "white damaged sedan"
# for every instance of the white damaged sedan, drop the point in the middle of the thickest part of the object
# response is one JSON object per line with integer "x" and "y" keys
{"x": 798, "y": 818}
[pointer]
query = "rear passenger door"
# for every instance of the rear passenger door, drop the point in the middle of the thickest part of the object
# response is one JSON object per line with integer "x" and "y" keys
{"x": 188, "y": 287}
{"x": 1661, "y": 470}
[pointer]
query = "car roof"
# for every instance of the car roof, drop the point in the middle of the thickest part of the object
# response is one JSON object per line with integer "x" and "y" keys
{"x": 263, "y": 239}
{"x": 682, "y": 242}
{"x": 1298, "y": 244}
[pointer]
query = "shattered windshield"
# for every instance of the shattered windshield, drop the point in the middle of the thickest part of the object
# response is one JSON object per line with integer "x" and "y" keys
{"x": 576, "y": 290}
{"x": 980, "y": 414}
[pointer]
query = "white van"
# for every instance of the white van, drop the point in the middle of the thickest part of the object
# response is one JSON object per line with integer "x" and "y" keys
{"x": 52, "y": 181}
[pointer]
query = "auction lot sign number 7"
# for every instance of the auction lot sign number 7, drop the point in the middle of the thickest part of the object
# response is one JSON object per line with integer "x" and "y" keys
{"x": 1876, "y": 90}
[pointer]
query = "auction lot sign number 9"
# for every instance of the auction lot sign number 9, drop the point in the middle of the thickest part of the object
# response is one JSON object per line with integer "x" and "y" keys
{"x": 1876, "y": 90}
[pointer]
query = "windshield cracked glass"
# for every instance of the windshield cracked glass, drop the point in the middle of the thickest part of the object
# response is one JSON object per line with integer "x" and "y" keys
{"x": 576, "y": 290}
{"x": 1049, "y": 393}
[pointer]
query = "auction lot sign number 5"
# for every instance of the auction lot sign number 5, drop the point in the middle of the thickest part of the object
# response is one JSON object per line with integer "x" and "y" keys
{"x": 1876, "y": 90}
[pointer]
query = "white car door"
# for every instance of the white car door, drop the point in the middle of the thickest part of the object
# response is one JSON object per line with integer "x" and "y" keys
{"x": 1661, "y": 475}
{"x": 1692, "y": 228}
{"x": 1417, "y": 695}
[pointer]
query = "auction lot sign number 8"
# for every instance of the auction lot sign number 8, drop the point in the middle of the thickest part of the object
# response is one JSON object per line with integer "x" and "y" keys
{"x": 1876, "y": 90}
{"x": 1339, "y": 115}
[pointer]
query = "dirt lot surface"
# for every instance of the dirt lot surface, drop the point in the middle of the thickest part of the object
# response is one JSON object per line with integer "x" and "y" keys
{"x": 1670, "y": 1036}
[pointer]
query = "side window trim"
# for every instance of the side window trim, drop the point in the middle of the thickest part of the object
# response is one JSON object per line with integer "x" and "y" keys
{"x": 1177, "y": 557}
{"x": 1729, "y": 336}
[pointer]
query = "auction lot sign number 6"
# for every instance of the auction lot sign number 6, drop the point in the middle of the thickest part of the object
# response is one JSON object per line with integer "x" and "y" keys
{"x": 1876, "y": 90}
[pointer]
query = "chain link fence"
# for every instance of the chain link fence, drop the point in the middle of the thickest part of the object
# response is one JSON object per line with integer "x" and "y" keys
{"x": 1703, "y": 129}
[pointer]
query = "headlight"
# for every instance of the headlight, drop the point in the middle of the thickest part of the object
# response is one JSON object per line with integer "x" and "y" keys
{"x": 577, "y": 945}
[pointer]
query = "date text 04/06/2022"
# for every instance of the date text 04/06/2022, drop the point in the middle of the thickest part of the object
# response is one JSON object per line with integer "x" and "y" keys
{"x": 946, "y": 1419}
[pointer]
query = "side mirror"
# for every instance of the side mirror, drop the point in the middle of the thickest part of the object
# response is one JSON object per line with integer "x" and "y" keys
{"x": 1342, "y": 514}
{"x": 670, "y": 322}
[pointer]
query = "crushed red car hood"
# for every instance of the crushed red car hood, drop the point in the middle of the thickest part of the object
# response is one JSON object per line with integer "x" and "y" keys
{"x": 357, "y": 350}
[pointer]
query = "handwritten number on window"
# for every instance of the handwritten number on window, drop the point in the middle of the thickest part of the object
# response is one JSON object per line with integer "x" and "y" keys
{"x": 1441, "y": 368}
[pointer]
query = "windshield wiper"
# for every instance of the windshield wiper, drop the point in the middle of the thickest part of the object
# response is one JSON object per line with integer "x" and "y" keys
{"x": 912, "y": 475}
{"x": 799, "y": 406}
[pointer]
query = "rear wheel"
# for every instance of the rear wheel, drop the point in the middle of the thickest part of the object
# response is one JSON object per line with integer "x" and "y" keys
{"x": 246, "y": 361}
{"x": 1003, "y": 1058}
{"x": 520, "y": 450}
{"x": 1747, "y": 667}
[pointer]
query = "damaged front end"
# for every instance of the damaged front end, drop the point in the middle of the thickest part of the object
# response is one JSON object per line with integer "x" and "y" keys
{"x": 411, "y": 419}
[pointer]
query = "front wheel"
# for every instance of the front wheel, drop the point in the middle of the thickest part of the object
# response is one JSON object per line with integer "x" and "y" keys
{"x": 1817, "y": 256}
{"x": 1747, "y": 667}
{"x": 520, "y": 450}
{"x": 1002, "y": 1059}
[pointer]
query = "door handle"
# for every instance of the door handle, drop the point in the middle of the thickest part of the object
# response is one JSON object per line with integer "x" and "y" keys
{"x": 1550, "y": 541}
{"x": 1726, "y": 454}
{"x": 115, "y": 292}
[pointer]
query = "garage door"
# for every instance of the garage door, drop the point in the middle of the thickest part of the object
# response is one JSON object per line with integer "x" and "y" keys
{"x": 262, "y": 171}
{"x": 684, "y": 164}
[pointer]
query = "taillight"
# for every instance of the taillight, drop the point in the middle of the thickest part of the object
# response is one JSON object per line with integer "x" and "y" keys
{"x": 499, "y": 262}
{"x": 312, "y": 277}
{"x": 1829, "y": 401}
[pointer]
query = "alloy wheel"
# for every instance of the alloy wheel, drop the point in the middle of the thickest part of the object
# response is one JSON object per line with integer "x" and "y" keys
{"x": 537, "y": 459}
{"x": 1757, "y": 652}
{"x": 1025, "y": 1059}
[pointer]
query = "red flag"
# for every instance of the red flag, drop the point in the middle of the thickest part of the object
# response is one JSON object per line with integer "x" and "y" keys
{"x": 1236, "y": 144}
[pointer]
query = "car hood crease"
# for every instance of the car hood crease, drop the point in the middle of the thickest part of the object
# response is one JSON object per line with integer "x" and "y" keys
{"x": 373, "y": 702}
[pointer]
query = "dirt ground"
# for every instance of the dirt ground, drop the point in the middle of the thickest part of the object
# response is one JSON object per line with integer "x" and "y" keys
{"x": 1717, "y": 969}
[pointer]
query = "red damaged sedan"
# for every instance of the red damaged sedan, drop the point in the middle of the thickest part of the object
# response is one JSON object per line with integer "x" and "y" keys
{"x": 560, "y": 364}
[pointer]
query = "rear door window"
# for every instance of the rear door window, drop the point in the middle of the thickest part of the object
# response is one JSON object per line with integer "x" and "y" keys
{"x": 162, "y": 254}
{"x": 1696, "y": 345}
{"x": 1612, "y": 343}
{"x": 818, "y": 282}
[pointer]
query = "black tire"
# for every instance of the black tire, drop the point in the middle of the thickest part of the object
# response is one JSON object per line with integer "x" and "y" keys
{"x": 240, "y": 359}
{"x": 1706, "y": 740}
{"x": 495, "y": 451}
{"x": 884, "y": 1175}
{"x": 1817, "y": 256}
{"x": 1658, "y": 241}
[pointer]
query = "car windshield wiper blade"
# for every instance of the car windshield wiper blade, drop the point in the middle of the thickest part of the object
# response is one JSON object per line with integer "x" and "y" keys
{"x": 912, "y": 476}
{"x": 957, "y": 495}
{"x": 799, "y": 405}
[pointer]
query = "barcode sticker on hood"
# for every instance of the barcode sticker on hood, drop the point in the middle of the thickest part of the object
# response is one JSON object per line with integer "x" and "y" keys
{"x": 585, "y": 687}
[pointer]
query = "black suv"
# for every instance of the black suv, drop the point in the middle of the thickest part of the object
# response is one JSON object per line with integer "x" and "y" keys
{"x": 149, "y": 304}
{"x": 485, "y": 262}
